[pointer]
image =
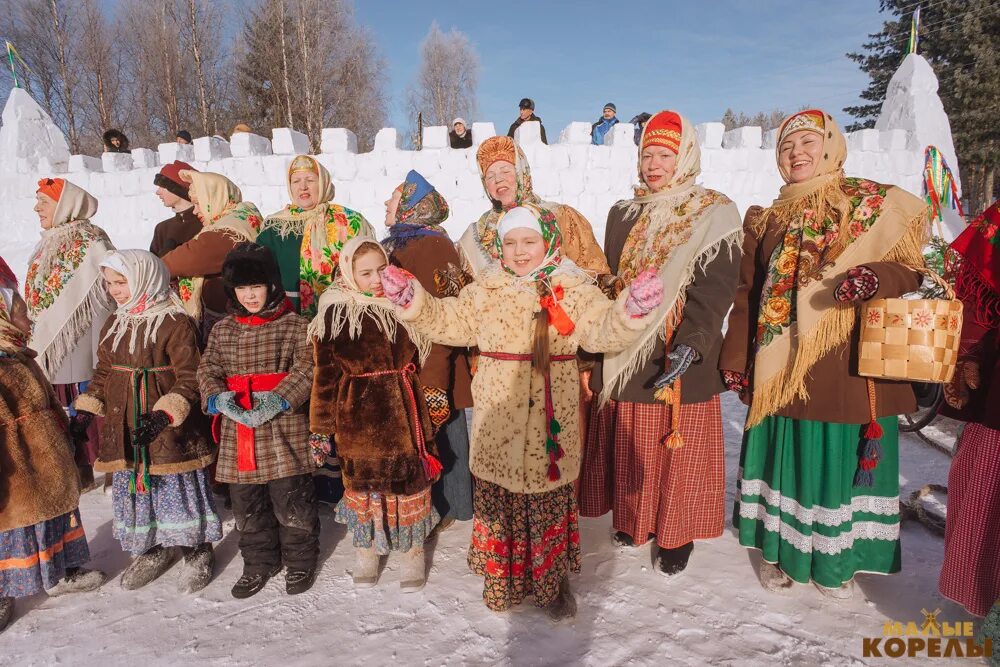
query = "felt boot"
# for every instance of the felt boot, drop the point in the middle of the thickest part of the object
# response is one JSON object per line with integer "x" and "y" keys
{"x": 413, "y": 570}
{"x": 773, "y": 579}
{"x": 196, "y": 572}
{"x": 146, "y": 567}
{"x": 365, "y": 573}
{"x": 673, "y": 561}
{"x": 78, "y": 580}
{"x": 564, "y": 606}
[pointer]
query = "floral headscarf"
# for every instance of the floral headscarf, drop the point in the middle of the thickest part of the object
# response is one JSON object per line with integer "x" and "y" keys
{"x": 12, "y": 338}
{"x": 63, "y": 288}
{"x": 344, "y": 304}
{"x": 152, "y": 299}
{"x": 421, "y": 211}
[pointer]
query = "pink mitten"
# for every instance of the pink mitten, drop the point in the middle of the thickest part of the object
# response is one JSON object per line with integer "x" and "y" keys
{"x": 398, "y": 285}
{"x": 645, "y": 293}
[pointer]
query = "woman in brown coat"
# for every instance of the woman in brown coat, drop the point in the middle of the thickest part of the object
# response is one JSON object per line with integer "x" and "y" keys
{"x": 419, "y": 244}
{"x": 255, "y": 376}
{"x": 156, "y": 447}
{"x": 367, "y": 398}
{"x": 42, "y": 542}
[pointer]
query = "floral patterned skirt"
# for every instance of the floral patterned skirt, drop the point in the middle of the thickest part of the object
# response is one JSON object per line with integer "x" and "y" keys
{"x": 35, "y": 558}
{"x": 386, "y": 521}
{"x": 523, "y": 543}
{"x": 179, "y": 511}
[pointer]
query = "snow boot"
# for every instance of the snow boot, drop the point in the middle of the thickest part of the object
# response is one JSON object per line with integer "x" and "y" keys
{"x": 413, "y": 570}
{"x": 78, "y": 580}
{"x": 196, "y": 571}
{"x": 843, "y": 592}
{"x": 365, "y": 573}
{"x": 564, "y": 606}
{"x": 672, "y": 561}
{"x": 300, "y": 580}
{"x": 6, "y": 612}
{"x": 773, "y": 579}
{"x": 250, "y": 584}
{"x": 145, "y": 568}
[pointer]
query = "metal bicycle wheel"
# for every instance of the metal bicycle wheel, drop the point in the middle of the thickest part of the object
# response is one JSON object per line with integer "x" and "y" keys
{"x": 914, "y": 421}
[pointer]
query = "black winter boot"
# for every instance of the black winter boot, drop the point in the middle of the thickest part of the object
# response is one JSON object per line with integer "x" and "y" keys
{"x": 622, "y": 539}
{"x": 252, "y": 583}
{"x": 6, "y": 612}
{"x": 299, "y": 581}
{"x": 672, "y": 561}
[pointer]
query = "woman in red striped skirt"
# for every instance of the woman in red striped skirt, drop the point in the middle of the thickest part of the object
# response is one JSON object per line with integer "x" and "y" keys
{"x": 655, "y": 450}
{"x": 971, "y": 571}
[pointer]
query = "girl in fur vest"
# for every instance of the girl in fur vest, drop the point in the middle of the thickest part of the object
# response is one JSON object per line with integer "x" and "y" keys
{"x": 367, "y": 398}
{"x": 155, "y": 448}
{"x": 255, "y": 377}
{"x": 42, "y": 543}
{"x": 528, "y": 316}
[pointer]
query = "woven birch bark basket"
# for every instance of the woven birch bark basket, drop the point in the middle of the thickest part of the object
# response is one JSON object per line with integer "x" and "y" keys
{"x": 911, "y": 339}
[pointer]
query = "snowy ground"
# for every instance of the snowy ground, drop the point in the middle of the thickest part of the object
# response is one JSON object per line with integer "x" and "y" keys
{"x": 715, "y": 612}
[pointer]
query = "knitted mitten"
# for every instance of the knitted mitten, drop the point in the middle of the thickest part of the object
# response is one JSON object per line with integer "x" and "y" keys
{"x": 645, "y": 294}
{"x": 266, "y": 406}
{"x": 398, "y": 285}
{"x": 681, "y": 358}
{"x": 861, "y": 284}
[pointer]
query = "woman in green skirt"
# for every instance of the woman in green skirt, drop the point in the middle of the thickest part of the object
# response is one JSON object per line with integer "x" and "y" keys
{"x": 818, "y": 488}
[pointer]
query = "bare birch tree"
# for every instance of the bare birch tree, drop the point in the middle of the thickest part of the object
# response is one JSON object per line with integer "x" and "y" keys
{"x": 447, "y": 79}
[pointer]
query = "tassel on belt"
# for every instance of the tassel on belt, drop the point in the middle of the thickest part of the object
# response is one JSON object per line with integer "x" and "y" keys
{"x": 244, "y": 386}
{"x": 139, "y": 378}
{"x": 552, "y": 426}
{"x": 432, "y": 467}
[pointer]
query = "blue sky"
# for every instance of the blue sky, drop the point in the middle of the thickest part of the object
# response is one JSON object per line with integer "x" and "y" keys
{"x": 695, "y": 57}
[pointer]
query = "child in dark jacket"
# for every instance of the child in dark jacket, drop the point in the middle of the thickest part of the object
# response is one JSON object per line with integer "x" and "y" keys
{"x": 367, "y": 397}
{"x": 255, "y": 377}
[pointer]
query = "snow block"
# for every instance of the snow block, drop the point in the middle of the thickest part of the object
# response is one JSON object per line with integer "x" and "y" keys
{"x": 172, "y": 150}
{"x": 863, "y": 140}
{"x": 481, "y": 132}
{"x": 207, "y": 149}
{"x": 338, "y": 140}
{"x": 435, "y": 136}
{"x": 82, "y": 163}
{"x": 622, "y": 134}
{"x": 49, "y": 168}
{"x": 247, "y": 144}
{"x": 388, "y": 139}
{"x": 144, "y": 158}
{"x": 116, "y": 161}
{"x": 893, "y": 140}
{"x": 576, "y": 132}
{"x": 710, "y": 134}
{"x": 286, "y": 141}
{"x": 529, "y": 134}
{"x": 770, "y": 139}
{"x": 742, "y": 137}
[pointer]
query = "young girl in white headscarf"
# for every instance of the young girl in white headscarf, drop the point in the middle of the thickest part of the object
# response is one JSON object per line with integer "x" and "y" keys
{"x": 528, "y": 315}
{"x": 153, "y": 444}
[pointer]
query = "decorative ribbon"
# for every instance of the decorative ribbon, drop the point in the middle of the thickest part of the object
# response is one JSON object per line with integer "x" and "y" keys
{"x": 432, "y": 467}
{"x": 244, "y": 386}
{"x": 552, "y": 425}
{"x": 557, "y": 316}
{"x": 671, "y": 395}
{"x": 139, "y": 378}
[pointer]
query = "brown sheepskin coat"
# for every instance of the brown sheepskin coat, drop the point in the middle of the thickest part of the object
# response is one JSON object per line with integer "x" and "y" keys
{"x": 183, "y": 446}
{"x": 370, "y": 418}
{"x": 38, "y": 479}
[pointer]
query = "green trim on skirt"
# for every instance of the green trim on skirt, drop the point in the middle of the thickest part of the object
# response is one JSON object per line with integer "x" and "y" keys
{"x": 798, "y": 505}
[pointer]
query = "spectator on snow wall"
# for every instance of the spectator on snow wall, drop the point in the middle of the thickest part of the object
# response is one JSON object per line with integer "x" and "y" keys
{"x": 175, "y": 194}
{"x": 607, "y": 121}
{"x": 67, "y": 302}
{"x": 183, "y": 137}
{"x": 42, "y": 541}
{"x": 115, "y": 141}
{"x": 630, "y": 466}
{"x": 526, "y": 110}
{"x": 460, "y": 135}
{"x": 639, "y": 122}
{"x": 197, "y": 264}
{"x": 820, "y": 439}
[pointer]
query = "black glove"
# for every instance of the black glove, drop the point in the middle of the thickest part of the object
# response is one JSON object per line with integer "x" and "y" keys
{"x": 78, "y": 425}
{"x": 148, "y": 427}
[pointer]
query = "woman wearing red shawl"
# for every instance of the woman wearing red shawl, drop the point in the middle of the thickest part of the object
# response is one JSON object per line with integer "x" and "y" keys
{"x": 971, "y": 571}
